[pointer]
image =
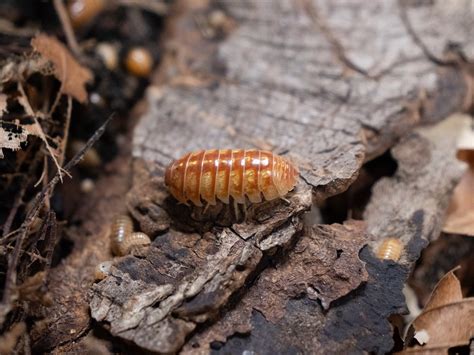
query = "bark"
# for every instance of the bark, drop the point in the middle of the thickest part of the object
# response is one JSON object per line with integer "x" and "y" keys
{"x": 331, "y": 85}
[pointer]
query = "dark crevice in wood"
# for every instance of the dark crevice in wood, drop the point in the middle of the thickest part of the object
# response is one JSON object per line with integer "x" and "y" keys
{"x": 351, "y": 203}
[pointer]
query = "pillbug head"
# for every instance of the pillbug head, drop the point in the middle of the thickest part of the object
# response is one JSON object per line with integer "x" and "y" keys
{"x": 102, "y": 270}
{"x": 286, "y": 174}
{"x": 174, "y": 178}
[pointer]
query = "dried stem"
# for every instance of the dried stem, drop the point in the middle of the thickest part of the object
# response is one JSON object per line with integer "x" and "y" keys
{"x": 67, "y": 27}
{"x": 156, "y": 6}
{"x": 10, "y": 279}
{"x": 66, "y": 129}
{"x": 39, "y": 129}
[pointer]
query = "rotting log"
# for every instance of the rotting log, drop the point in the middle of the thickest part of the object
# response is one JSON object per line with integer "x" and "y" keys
{"x": 329, "y": 84}
{"x": 408, "y": 206}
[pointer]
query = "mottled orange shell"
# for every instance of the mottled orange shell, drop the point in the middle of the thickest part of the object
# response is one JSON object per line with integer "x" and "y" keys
{"x": 218, "y": 174}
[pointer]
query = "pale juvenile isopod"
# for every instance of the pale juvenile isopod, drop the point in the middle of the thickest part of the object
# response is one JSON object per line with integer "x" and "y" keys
{"x": 122, "y": 237}
{"x": 390, "y": 249}
{"x": 211, "y": 175}
{"x": 102, "y": 270}
{"x": 134, "y": 240}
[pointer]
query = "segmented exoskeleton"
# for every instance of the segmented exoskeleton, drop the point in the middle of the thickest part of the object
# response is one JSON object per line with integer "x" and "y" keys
{"x": 122, "y": 237}
{"x": 219, "y": 174}
{"x": 390, "y": 249}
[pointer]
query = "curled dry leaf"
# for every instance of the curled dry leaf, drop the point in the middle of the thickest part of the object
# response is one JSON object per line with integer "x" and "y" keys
{"x": 446, "y": 321}
{"x": 72, "y": 75}
{"x": 460, "y": 219}
{"x": 11, "y": 137}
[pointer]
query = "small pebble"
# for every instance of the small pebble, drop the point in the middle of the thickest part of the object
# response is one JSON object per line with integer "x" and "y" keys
{"x": 108, "y": 53}
{"x": 87, "y": 185}
{"x": 139, "y": 62}
{"x": 81, "y": 12}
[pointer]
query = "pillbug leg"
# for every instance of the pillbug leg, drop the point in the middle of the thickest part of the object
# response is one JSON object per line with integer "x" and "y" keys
{"x": 245, "y": 209}
{"x": 287, "y": 202}
{"x": 236, "y": 210}
{"x": 206, "y": 207}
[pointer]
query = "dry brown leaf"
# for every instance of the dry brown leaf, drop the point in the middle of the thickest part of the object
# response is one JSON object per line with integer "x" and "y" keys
{"x": 72, "y": 75}
{"x": 9, "y": 339}
{"x": 460, "y": 218}
{"x": 466, "y": 146}
{"x": 448, "y": 290}
{"x": 446, "y": 321}
{"x": 12, "y": 137}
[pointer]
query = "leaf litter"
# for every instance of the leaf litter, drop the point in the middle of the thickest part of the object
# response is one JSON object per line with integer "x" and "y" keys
{"x": 460, "y": 216}
{"x": 446, "y": 321}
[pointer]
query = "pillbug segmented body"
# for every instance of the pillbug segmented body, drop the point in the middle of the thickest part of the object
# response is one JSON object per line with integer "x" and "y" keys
{"x": 134, "y": 240}
{"x": 121, "y": 228}
{"x": 219, "y": 174}
{"x": 122, "y": 237}
{"x": 390, "y": 249}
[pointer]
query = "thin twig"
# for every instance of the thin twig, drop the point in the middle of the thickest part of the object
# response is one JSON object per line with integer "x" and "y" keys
{"x": 43, "y": 172}
{"x": 11, "y": 216}
{"x": 61, "y": 88}
{"x": 29, "y": 253}
{"x": 39, "y": 130}
{"x": 52, "y": 240}
{"x": 156, "y": 6}
{"x": 10, "y": 279}
{"x": 19, "y": 198}
{"x": 56, "y": 100}
{"x": 66, "y": 130}
{"x": 67, "y": 27}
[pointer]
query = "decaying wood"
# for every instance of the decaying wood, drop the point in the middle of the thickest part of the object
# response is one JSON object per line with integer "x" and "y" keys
{"x": 331, "y": 85}
{"x": 407, "y": 206}
{"x": 186, "y": 277}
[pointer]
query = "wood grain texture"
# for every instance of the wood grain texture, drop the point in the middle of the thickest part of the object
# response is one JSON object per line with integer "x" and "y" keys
{"x": 331, "y": 83}
{"x": 408, "y": 205}
{"x": 328, "y": 84}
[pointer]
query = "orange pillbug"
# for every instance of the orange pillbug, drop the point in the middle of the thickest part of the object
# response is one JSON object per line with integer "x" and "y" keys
{"x": 390, "y": 249}
{"x": 211, "y": 174}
